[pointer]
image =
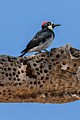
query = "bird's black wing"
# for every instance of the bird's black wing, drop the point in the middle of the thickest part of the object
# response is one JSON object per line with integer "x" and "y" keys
{"x": 39, "y": 38}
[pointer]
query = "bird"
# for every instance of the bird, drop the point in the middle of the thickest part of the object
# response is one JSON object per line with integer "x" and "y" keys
{"x": 42, "y": 39}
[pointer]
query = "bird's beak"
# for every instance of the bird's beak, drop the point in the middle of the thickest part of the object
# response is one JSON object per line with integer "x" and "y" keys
{"x": 55, "y": 25}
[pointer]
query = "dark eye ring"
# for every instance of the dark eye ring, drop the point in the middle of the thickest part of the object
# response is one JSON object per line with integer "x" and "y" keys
{"x": 49, "y": 23}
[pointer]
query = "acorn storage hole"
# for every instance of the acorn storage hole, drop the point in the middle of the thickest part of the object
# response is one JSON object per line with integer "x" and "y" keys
{"x": 18, "y": 72}
{"x": 57, "y": 56}
{"x": 5, "y": 69}
{"x": 35, "y": 82}
{"x": 10, "y": 74}
{"x": 14, "y": 73}
{"x": 34, "y": 64}
{"x": 37, "y": 69}
{"x": 52, "y": 60}
{"x": 42, "y": 78}
{"x": 6, "y": 74}
{"x": 47, "y": 78}
{"x": 75, "y": 65}
{"x": 14, "y": 69}
{"x": 18, "y": 79}
{"x": 14, "y": 79}
{"x": 41, "y": 86}
{"x": 45, "y": 71}
{"x": 9, "y": 68}
{"x": 9, "y": 78}
{"x": 64, "y": 63}
{"x": 22, "y": 71}
{"x": 20, "y": 83}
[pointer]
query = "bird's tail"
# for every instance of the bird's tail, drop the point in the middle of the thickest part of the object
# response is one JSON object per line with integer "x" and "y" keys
{"x": 23, "y": 51}
{"x": 22, "y": 54}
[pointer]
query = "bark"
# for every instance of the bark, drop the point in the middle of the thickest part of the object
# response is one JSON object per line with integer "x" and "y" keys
{"x": 52, "y": 77}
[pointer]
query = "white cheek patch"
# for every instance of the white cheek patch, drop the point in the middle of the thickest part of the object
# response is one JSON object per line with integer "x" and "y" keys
{"x": 50, "y": 27}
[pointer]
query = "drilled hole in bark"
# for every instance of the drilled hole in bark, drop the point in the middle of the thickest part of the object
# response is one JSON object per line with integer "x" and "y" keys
{"x": 15, "y": 84}
{"x": 34, "y": 64}
{"x": 1, "y": 62}
{"x": 17, "y": 75}
{"x": 18, "y": 72}
{"x": 68, "y": 68}
{"x": 23, "y": 81}
{"x": 38, "y": 82}
{"x": 52, "y": 60}
{"x": 19, "y": 66}
{"x": 14, "y": 79}
{"x": 35, "y": 82}
{"x": 50, "y": 67}
{"x": 38, "y": 73}
{"x": 14, "y": 69}
{"x": 31, "y": 82}
{"x": 46, "y": 94}
{"x": 47, "y": 74}
{"x": 9, "y": 78}
{"x": 10, "y": 74}
{"x": 54, "y": 64}
{"x": 57, "y": 56}
{"x": 41, "y": 86}
{"x": 5, "y": 69}
{"x": 75, "y": 64}
{"x": 20, "y": 83}
{"x": 37, "y": 69}
{"x": 9, "y": 90}
{"x": 11, "y": 64}
{"x": 18, "y": 79}
{"x": 22, "y": 71}
{"x": 43, "y": 81}
{"x": 64, "y": 63}
{"x": 45, "y": 71}
{"x": 47, "y": 78}
{"x": 2, "y": 72}
{"x": 6, "y": 74}
{"x": 4, "y": 90}
{"x": 9, "y": 68}
{"x": 14, "y": 73}
{"x": 41, "y": 66}
{"x": 42, "y": 78}
{"x": 9, "y": 93}
{"x": 0, "y": 93}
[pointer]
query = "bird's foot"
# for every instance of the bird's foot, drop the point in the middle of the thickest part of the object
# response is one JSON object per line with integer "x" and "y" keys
{"x": 47, "y": 51}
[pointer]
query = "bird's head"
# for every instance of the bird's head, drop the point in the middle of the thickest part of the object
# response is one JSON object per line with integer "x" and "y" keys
{"x": 49, "y": 25}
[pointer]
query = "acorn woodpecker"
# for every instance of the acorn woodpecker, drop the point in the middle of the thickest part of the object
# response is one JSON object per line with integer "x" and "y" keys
{"x": 42, "y": 39}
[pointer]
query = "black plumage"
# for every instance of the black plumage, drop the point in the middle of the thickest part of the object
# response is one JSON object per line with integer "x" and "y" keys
{"x": 41, "y": 40}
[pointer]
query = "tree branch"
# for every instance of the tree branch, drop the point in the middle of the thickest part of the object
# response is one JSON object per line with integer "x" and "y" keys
{"x": 44, "y": 77}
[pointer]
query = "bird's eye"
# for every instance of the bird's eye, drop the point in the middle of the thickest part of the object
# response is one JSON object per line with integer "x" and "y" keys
{"x": 49, "y": 23}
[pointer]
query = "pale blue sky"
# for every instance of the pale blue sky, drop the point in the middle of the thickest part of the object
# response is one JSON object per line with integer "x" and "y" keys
{"x": 19, "y": 21}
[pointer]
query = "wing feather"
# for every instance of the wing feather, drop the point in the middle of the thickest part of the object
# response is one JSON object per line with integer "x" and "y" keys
{"x": 39, "y": 38}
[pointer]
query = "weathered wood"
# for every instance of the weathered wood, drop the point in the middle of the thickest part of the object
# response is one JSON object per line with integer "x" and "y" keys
{"x": 44, "y": 77}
